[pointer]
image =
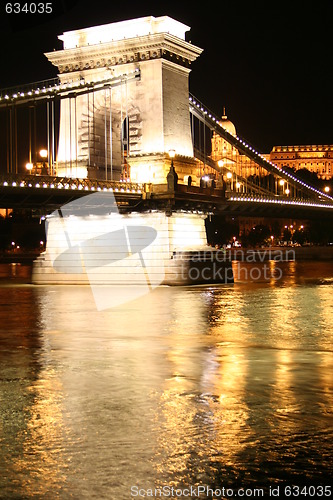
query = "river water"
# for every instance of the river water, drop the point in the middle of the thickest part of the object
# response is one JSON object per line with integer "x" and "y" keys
{"x": 218, "y": 387}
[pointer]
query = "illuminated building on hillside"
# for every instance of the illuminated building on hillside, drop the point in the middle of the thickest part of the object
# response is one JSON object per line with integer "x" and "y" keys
{"x": 315, "y": 158}
{"x": 229, "y": 158}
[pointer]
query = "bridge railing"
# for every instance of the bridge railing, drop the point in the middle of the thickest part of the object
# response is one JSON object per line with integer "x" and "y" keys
{"x": 29, "y": 87}
{"x": 44, "y": 90}
{"x": 54, "y": 182}
{"x": 257, "y": 198}
{"x": 212, "y": 121}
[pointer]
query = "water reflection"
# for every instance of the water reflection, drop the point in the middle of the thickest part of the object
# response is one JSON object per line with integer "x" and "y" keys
{"x": 228, "y": 385}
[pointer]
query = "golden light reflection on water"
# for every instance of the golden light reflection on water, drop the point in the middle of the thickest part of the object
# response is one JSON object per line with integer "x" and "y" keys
{"x": 183, "y": 386}
{"x": 232, "y": 432}
{"x": 43, "y": 439}
{"x": 283, "y": 397}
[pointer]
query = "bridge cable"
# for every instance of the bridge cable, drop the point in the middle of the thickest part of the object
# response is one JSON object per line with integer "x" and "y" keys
{"x": 111, "y": 172}
{"x": 105, "y": 139}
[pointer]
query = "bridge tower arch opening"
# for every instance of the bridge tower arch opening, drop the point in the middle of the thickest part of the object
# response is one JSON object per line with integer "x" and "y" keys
{"x": 154, "y": 104}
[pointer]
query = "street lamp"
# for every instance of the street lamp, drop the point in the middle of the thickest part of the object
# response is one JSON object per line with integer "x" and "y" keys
{"x": 281, "y": 183}
{"x": 43, "y": 153}
{"x": 230, "y": 179}
{"x": 172, "y": 177}
{"x": 172, "y": 154}
{"x": 29, "y": 166}
{"x": 220, "y": 164}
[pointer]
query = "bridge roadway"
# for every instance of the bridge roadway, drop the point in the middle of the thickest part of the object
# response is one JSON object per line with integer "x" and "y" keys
{"x": 45, "y": 194}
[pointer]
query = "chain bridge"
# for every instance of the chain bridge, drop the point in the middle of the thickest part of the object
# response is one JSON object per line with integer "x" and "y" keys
{"x": 120, "y": 119}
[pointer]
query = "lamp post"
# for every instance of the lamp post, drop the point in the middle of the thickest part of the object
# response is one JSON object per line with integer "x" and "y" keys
{"x": 282, "y": 183}
{"x": 172, "y": 154}
{"x": 172, "y": 177}
{"x": 230, "y": 180}
{"x": 220, "y": 164}
{"x": 44, "y": 156}
{"x": 29, "y": 166}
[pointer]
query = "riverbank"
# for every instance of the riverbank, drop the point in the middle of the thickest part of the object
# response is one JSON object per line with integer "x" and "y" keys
{"x": 321, "y": 253}
{"x": 18, "y": 257}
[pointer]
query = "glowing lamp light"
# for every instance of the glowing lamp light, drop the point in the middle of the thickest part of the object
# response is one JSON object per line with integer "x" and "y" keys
{"x": 29, "y": 166}
{"x": 220, "y": 163}
{"x": 172, "y": 153}
{"x": 281, "y": 182}
{"x": 238, "y": 185}
{"x": 327, "y": 189}
{"x": 229, "y": 175}
{"x": 287, "y": 191}
{"x": 43, "y": 153}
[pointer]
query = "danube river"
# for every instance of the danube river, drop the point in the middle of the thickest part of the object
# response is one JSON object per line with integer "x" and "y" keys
{"x": 212, "y": 387}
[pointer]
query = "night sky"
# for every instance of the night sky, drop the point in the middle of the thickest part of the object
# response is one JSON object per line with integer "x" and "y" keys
{"x": 268, "y": 63}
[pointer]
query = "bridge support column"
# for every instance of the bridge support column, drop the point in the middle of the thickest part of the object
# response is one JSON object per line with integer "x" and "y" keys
{"x": 147, "y": 249}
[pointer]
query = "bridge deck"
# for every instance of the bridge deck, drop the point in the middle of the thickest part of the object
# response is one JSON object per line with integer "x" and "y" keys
{"x": 45, "y": 193}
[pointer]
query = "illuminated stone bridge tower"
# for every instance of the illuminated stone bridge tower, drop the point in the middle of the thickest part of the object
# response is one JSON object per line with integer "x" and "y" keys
{"x": 139, "y": 114}
{"x": 129, "y": 111}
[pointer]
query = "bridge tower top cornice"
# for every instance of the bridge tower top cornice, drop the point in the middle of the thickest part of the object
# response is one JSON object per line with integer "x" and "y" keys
{"x": 119, "y": 31}
{"x": 125, "y": 42}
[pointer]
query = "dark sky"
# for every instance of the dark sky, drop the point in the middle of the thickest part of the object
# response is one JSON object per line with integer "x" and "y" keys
{"x": 269, "y": 63}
